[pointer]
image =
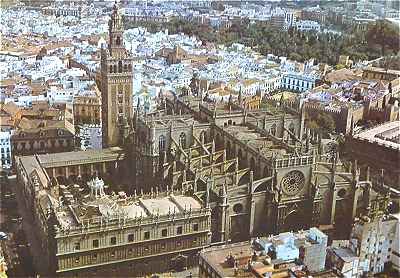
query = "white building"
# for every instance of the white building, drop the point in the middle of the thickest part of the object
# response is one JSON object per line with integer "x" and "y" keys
{"x": 376, "y": 242}
{"x": 392, "y": 13}
{"x": 90, "y": 137}
{"x": 290, "y": 18}
{"x": 395, "y": 256}
{"x": 271, "y": 84}
{"x": 307, "y": 246}
{"x": 298, "y": 81}
{"x": 5, "y": 150}
{"x": 308, "y": 25}
{"x": 58, "y": 95}
{"x": 344, "y": 261}
{"x": 74, "y": 78}
{"x": 25, "y": 101}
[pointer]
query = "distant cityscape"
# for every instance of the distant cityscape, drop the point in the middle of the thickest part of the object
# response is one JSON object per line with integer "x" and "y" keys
{"x": 200, "y": 138}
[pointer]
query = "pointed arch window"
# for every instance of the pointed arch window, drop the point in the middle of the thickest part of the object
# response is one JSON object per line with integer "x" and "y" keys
{"x": 118, "y": 41}
{"x": 273, "y": 129}
{"x": 182, "y": 140}
{"x": 292, "y": 131}
{"x": 120, "y": 66}
{"x": 161, "y": 143}
{"x": 203, "y": 136}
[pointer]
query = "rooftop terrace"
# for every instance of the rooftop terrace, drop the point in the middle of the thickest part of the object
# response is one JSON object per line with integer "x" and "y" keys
{"x": 387, "y": 134}
{"x": 80, "y": 157}
{"x": 79, "y": 208}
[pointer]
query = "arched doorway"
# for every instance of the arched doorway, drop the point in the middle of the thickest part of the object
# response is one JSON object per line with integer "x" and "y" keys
{"x": 342, "y": 219}
{"x": 294, "y": 221}
{"x": 239, "y": 228}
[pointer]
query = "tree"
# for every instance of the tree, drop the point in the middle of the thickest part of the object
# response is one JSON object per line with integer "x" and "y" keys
{"x": 321, "y": 122}
{"x": 297, "y": 45}
{"x": 295, "y": 56}
{"x": 340, "y": 66}
{"x": 384, "y": 34}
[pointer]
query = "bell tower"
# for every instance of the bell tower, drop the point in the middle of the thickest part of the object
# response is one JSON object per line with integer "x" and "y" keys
{"x": 115, "y": 33}
{"x": 116, "y": 84}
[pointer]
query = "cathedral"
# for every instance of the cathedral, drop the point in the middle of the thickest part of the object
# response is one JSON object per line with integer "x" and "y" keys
{"x": 261, "y": 170}
{"x": 258, "y": 167}
{"x": 194, "y": 172}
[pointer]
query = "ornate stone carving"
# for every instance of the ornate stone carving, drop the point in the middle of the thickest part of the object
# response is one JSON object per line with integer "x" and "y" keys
{"x": 293, "y": 182}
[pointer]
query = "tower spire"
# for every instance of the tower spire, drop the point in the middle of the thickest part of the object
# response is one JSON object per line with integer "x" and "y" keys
{"x": 116, "y": 90}
{"x": 116, "y": 31}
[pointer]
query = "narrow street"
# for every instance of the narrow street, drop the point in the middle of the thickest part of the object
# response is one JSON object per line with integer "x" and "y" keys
{"x": 15, "y": 246}
{"x": 27, "y": 226}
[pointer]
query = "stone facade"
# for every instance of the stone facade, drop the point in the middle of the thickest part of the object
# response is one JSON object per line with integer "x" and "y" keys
{"x": 38, "y": 129}
{"x": 144, "y": 244}
{"x": 266, "y": 171}
{"x": 83, "y": 230}
{"x": 195, "y": 172}
{"x": 87, "y": 109}
{"x": 116, "y": 84}
{"x": 379, "y": 148}
{"x": 43, "y": 140}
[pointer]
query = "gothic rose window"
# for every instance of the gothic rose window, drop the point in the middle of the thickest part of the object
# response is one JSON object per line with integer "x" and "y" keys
{"x": 293, "y": 182}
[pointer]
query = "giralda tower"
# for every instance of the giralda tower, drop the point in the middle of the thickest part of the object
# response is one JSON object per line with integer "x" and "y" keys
{"x": 116, "y": 84}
